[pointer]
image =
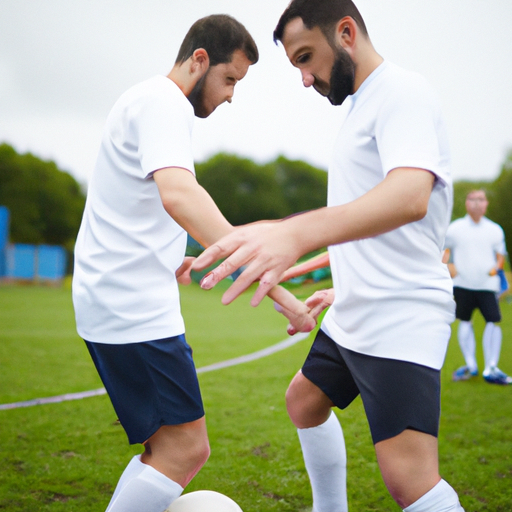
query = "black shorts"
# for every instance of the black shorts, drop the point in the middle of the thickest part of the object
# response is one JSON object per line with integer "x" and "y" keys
{"x": 150, "y": 384}
{"x": 469, "y": 300}
{"x": 397, "y": 395}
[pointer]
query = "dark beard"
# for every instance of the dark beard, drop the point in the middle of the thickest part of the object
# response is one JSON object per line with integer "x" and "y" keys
{"x": 196, "y": 97}
{"x": 342, "y": 78}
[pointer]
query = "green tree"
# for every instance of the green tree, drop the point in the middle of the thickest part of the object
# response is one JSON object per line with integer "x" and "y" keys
{"x": 246, "y": 192}
{"x": 46, "y": 203}
{"x": 303, "y": 186}
{"x": 500, "y": 199}
{"x": 243, "y": 190}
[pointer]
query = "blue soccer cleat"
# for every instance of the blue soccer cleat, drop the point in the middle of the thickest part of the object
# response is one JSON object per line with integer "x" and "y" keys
{"x": 496, "y": 376}
{"x": 464, "y": 373}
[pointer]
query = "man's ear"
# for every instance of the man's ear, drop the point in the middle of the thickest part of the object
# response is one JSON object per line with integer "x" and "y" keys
{"x": 346, "y": 31}
{"x": 200, "y": 62}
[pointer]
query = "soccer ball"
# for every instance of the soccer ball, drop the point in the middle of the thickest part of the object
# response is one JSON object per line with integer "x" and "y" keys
{"x": 204, "y": 501}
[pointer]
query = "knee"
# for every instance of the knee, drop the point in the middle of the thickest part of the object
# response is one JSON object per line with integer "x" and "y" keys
{"x": 201, "y": 452}
{"x": 306, "y": 404}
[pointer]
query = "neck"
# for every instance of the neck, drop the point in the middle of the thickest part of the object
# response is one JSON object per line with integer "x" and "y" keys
{"x": 476, "y": 218}
{"x": 370, "y": 60}
{"x": 181, "y": 76}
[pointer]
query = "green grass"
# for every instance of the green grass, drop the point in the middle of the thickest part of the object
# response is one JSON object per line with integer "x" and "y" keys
{"x": 68, "y": 456}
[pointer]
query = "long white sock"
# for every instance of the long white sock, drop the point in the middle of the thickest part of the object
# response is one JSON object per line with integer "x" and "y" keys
{"x": 492, "y": 345}
{"x": 467, "y": 344}
{"x": 441, "y": 498}
{"x": 323, "y": 448}
{"x": 142, "y": 487}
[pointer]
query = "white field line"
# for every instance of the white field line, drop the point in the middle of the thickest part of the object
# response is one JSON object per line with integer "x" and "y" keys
{"x": 282, "y": 345}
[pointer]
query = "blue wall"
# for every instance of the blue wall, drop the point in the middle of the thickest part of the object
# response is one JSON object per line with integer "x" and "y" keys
{"x": 29, "y": 262}
{"x": 4, "y": 238}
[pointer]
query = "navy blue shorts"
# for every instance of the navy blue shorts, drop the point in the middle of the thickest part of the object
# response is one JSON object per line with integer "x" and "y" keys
{"x": 397, "y": 395}
{"x": 468, "y": 300}
{"x": 150, "y": 384}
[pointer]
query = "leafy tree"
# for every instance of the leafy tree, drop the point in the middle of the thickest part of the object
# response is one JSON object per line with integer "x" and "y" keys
{"x": 500, "y": 199}
{"x": 246, "y": 192}
{"x": 46, "y": 204}
{"x": 303, "y": 186}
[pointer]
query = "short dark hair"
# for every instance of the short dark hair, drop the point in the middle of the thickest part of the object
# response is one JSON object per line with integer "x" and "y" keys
{"x": 220, "y": 35}
{"x": 323, "y": 14}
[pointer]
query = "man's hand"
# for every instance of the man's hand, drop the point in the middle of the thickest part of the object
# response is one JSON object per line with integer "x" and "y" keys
{"x": 293, "y": 309}
{"x": 183, "y": 273}
{"x": 315, "y": 304}
{"x": 265, "y": 248}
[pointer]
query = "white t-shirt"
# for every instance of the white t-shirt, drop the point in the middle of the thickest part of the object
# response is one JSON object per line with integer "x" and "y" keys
{"x": 393, "y": 294}
{"x": 128, "y": 247}
{"x": 474, "y": 247}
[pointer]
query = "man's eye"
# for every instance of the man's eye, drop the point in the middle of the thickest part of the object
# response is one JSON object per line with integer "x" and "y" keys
{"x": 302, "y": 59}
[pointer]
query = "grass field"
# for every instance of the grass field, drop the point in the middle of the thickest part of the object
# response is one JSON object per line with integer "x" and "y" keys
{"x": 68, "y": 456}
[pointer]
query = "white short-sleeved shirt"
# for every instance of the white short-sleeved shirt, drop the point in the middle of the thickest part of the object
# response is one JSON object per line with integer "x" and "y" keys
{"x": 393, "y": 295}
{"x": 128, "y": 247}
{"x": 474, "y": 246}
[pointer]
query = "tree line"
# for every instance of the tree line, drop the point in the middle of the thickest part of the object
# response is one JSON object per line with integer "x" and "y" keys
{"x": 46, "y": 203}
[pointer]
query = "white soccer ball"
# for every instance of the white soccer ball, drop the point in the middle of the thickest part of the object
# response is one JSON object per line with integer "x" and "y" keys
{"x": 204, "y": 501}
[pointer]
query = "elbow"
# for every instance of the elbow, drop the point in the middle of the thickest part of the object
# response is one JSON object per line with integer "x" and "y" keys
{"x": 420, "y": 212}
{"x": 171, "y": 203}
{"x": 417, "y": 210}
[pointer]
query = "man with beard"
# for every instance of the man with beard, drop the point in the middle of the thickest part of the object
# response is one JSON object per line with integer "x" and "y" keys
{"x": 389, "y": 204}
{"x": 142, "y": 200}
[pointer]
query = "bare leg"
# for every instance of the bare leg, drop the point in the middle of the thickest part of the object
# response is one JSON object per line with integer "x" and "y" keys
{"x": 322, "y": 442}
{"x": 409, "y": 465}
{"x": 178, "y": 451}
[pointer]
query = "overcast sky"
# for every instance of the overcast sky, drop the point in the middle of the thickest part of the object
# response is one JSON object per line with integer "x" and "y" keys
{"x": 63, "y": 64}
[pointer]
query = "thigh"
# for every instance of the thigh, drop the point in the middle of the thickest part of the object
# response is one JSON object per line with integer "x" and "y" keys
{"x": 326, "y": 368}
{"x": 489, "y": 306}
{"x": 397, "y": 395}
{"x": 466, "y": 303}
{"x": 150, "y": 384}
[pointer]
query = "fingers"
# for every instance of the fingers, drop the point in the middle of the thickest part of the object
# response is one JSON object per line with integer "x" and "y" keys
{"x": 293, "y": 309}
{"x": 208, "y": 257}
{"x": 183, "y": 273}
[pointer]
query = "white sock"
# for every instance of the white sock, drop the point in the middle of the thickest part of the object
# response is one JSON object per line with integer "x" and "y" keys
{"x": 323, "y": 448}
{"x": 142, "y": 487}
{"x": 441, "y": 498}
{"x": 467, "y": 344}
{"x": 492, "y": 345}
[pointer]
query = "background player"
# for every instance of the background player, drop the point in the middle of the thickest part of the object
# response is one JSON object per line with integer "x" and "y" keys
{"x": 477, "y": 254}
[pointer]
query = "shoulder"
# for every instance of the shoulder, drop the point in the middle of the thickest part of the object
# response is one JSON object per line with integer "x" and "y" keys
{"x": 399, "y": 81}
{"x": 155, "y": 98}
{"x": 458, "y": 225}
{"x": 491, "y": 225}
{"x": 406, "y": 94}
{"x": 158, "y": 89}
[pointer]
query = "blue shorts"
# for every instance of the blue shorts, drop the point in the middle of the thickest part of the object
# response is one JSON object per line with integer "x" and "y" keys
{"x": 397, "y": 395}
{"x": 150, "y": 384}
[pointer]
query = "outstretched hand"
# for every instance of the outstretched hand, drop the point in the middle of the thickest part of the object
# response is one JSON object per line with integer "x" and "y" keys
{"x": 264, "y": 248}
{"x": 297, "y": 313}
{"x": 315, "y": 304}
